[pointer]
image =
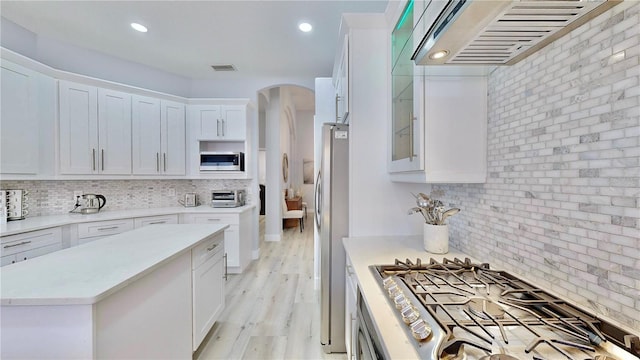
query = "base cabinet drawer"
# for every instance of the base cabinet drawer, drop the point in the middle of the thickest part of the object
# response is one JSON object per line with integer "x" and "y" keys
{"x": 212, "y": 247}
{"x": 154, "y": 220}
{"x": 211, "y": 219}
{"x": 28, "y": 245}
{"x": 236, "y": 237}
{"x": 98, "y": 229}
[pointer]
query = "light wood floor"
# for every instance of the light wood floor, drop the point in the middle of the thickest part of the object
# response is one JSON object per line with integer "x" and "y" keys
{"x": 272, "y": 309}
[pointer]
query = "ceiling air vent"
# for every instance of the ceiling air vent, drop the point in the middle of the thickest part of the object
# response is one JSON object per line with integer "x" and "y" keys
{"x": 224, "y": 67}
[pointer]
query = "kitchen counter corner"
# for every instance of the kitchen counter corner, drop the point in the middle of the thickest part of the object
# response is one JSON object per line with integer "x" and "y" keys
{"x": 366, "y": 251}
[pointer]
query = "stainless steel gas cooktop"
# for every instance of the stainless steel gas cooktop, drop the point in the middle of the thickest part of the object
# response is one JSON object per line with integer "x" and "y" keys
{"x": 457, "y": 309}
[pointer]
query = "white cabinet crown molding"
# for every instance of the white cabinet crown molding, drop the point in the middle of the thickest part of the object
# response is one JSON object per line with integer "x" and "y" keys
{"x": 6, "y": 54}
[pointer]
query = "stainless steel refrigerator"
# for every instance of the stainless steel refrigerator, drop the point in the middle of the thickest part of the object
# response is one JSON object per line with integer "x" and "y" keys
{"x": 332, "y": 220}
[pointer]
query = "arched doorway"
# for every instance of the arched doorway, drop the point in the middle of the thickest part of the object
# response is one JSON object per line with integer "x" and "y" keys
{"x": 285, "y": 122}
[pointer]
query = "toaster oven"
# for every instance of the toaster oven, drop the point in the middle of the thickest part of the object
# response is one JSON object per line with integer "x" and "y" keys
{"x": 227, "y": 198}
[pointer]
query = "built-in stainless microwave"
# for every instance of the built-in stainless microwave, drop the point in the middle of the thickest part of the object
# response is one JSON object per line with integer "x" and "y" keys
{"x": 221, "y": 161}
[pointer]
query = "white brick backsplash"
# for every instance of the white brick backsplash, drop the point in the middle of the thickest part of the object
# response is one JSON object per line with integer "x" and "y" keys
{"x": 56, "y": 197}
{"x": 560, "y": 204}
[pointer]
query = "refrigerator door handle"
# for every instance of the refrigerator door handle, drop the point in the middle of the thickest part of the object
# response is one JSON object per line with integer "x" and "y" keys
{"x": 318, "y": 200}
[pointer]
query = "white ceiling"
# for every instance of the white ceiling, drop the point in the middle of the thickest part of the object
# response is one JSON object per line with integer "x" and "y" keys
{"x": 260, "y": 38}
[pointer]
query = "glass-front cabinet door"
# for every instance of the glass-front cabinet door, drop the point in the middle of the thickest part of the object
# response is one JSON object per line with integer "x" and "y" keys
{"x": 406, "y": 131}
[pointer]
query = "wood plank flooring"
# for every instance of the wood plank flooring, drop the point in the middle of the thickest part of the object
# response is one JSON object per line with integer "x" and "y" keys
{"x": 272, "y": 309}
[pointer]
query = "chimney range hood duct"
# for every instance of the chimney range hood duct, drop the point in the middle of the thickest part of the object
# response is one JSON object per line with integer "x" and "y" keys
{"x": 494, "y": 32}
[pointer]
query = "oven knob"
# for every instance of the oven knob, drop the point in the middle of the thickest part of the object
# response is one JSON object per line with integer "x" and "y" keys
{"x": 394, "y": 290}
{"x": 386, "y": 282}
{"x": 401, "y": 301}
{"x": 409, "y": 314}
{"x": 420, "y": 329}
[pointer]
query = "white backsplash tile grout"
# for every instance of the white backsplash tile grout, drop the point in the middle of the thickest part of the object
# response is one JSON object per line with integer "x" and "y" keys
{"x": 53, "y": 197}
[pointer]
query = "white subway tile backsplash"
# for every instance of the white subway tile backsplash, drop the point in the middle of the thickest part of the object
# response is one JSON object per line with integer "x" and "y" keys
{"x": 53, "y": 197}
{"x": 561, "y": 199}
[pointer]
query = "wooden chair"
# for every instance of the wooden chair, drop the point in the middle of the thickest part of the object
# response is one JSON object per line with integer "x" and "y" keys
{"x": 292, "y": 214}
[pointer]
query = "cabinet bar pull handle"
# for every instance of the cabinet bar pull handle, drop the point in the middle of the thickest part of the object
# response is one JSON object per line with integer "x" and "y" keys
{"x": 226, "y": 272}
{"x": 164, "y": 159}
{"x": 157, "y": 222}
{"x": 213, "y": 219}
{"x": 107, "y": 228}
{"x": 412, "y": 153}
{"x": 102, "y": 158}
{"x": 217, "y": 127}
{"x": 93, "y": 159}
{"x": 337, "y": 99}
{"x": 213, "y": 247}
{"x": 18, "y": 244}
{"x": 223, "y": 127}
{"x": 157, "y": 162}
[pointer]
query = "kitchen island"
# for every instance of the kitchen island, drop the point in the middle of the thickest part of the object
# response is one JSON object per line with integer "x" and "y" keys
{"x": 126, "y": 296}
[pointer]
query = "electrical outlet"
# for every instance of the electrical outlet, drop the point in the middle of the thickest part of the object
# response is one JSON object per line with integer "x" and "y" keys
{"x": 76, "y": 194}
{"x": 171, "y": 192}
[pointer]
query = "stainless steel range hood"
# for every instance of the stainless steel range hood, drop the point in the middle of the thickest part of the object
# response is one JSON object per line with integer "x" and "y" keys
{"x": 497, "y": 32}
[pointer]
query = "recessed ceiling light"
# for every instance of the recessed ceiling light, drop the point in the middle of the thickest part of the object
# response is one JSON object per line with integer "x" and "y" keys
{"x": 305, "y": 27}
{"x": 438, "y": 54}
{"x": 139, "y": 27}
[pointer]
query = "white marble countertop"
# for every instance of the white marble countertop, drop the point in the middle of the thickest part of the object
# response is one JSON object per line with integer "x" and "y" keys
{"x": 87, "y": 273}
{"x": 366, "y": 251}
{"x": 44, "y": 222}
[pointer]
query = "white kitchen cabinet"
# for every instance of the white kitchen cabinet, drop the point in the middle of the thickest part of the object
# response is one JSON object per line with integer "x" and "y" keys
{"x": 451, "y": 139}
{"x": 219, "y": 122}
{"x": 208, "y": 287}
{"x": 114, "y": 132}
{"x": 18, "y": 119}
{"x": 341, "y": 83}
{"x": 155, "y": 220}
{"x": 146, "y": 128}
{"x": 406, "y": 89}
{"x": 158, "y": 136}
{"x": 28, "y": 245}
{"x": 351, "y": 310}
{"x": 92, "y": 231}
{"x": 95, "y": 130}
{"x": 237, "y": 237}
{"x": 173, "y": 137}
{"x": 438, "y": 127}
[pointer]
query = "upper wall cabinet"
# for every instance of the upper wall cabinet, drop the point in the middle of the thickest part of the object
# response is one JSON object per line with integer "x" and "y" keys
{"x": 432, "y": 137}
{"x": 18, "y": 124}
{"x": 219, "y": 122}
{"x": 95, "y": 130}
{"x": 406, "y": 88}
{"x": 341, "y": 83}
{"x": 219, "y": 125}
{"x": 173, "y": 137}
{"x": 158, "y": 130}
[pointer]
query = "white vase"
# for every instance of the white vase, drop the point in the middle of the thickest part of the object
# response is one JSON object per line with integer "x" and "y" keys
{"x": 436, "y": 238}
